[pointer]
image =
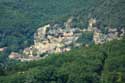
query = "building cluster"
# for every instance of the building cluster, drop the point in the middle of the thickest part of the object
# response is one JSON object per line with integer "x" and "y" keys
{"x": 59, "y": 38}
{"x": 20, "y": 57}
{"x": 99, "y": 37}
{"x": 54, "y": 38}
{"x": 112, "y": 34}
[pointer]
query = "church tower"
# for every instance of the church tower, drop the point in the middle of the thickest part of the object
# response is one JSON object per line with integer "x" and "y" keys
{"x": 91, "y": 22}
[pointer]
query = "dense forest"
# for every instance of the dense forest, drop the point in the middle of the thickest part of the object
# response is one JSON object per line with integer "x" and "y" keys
{"x": 95, "y": 64}
{"x": 19, "y": 19}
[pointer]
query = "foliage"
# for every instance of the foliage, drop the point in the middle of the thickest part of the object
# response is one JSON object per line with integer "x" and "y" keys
{"x": 19, "y": 19}
{"x": 95, "y": 64}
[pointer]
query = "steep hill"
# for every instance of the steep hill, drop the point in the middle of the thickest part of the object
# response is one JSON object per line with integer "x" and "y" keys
{"x": 96, "y": 64}
{"x": 19, "y": 19}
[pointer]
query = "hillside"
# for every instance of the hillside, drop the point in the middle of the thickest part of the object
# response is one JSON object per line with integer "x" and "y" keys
{"x": 62, "y": 41}
{"x": 96, "y": 64}
{"x": 62, "y": 37}
{"x": 20, "y": 18}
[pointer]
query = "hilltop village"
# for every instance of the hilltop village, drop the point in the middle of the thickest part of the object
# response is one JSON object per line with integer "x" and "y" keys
{"x": 59, "y": 38}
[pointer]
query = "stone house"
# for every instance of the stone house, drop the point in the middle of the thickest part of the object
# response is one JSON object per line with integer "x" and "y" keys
{"x": 98, "y": 37}
{"x": 15, "y": 55}
{"x": 2, "y": 49}
{"x": 91, "y": 22}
